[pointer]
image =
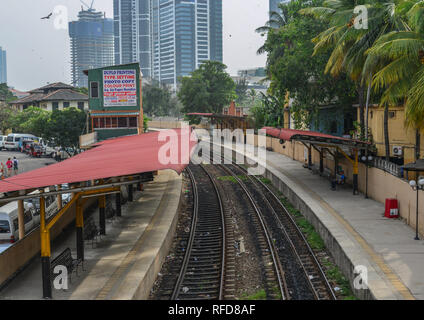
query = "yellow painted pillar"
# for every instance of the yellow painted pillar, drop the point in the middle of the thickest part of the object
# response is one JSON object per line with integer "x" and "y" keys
{"x": 21, "y": 222}
{"x": 45, "y": 251}
{"x": 79, "y": 222}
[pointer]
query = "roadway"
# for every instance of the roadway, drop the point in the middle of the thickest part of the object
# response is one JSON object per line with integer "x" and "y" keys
{"x": 25, "y": 162}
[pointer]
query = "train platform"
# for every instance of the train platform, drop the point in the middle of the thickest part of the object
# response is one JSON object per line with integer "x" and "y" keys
{"x": 123, "y": 264}
{"x": 355, "y": 231}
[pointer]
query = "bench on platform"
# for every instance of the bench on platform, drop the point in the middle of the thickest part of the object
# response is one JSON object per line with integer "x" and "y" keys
{"x": 65, "y": 259}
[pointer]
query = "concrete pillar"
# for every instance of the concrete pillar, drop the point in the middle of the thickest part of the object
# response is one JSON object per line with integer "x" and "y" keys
{"x": 59, "y": 199}
{"x": 21, "y": 222}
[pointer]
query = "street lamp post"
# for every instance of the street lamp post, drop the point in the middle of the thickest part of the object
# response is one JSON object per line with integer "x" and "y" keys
{"x": 417, "y": 187}
{"x": 366, "y": 159}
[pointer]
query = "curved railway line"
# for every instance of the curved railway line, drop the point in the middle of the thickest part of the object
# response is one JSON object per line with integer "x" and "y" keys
{"x": 205, "y": 264}
{"x": 280, "y": 222}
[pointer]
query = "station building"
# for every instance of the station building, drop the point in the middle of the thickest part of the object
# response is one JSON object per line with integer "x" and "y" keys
{"x": 115, "y": 101}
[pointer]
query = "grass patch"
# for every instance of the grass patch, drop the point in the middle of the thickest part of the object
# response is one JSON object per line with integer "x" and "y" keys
{"x": 232, "y": 179}
{"x": 332, "y": 272}
{"x": 265, "y": 180}
{"x": 260, "y": 295}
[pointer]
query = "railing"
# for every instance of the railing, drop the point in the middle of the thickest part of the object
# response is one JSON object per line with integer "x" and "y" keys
{"x": 88, "y": 139}
{"x": 387, "y": 166}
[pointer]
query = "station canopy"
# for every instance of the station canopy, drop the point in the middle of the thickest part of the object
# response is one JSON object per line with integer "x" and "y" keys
{"x": 215, "y": 115}
{"x": 117, "y": 157}
{"x": 313, "y": 137}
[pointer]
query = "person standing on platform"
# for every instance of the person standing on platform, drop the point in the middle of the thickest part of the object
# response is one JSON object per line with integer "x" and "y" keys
{"x": 15, "y": 166}
{"x": 3, "y": 172}
{"x": 9, "y": 165}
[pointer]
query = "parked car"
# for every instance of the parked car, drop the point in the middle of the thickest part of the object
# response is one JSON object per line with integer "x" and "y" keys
{"x": 2, "y": 141}
{"x": 9, "y": 230}
{"x": 14, "y": 141}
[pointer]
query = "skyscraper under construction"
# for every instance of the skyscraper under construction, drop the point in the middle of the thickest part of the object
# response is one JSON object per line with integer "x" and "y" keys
{"x": 92, "y": 44}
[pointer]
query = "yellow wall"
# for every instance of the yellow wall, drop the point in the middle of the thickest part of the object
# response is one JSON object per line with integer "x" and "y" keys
{"x": 399, "y": 135}
{"x": 381, "y": 185}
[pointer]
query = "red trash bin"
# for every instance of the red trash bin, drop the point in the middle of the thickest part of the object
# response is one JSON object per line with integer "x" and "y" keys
{"x": 392, "y": 208}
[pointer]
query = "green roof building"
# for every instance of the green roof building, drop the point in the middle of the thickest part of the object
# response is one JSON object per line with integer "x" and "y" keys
{"x": 115, "y": 100}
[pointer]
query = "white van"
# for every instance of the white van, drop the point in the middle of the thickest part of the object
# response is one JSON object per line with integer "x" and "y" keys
{"x": 14, "y": 140}
{"x": 51, "y": 205}
{"x": 9, "y": 227}
{"x": 2, "y": 141}
{"x": 47, "y": 150}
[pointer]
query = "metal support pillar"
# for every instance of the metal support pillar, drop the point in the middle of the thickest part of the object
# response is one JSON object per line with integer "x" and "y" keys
{"x": 102, "y": 214}
{"x": 130, "y": 193}
{"x": 309, "y": 157}
{"x": 321, "y": 161}
{"x": 355, "y": 173}
{"x": 118, "y": 204}
{"x": 80, "y": 227}
{"x": 45, "y": 252}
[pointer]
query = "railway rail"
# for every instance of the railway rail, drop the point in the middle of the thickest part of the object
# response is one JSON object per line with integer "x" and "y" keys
{"x": 202, "y": 271}
{"x": 280, "y": 221}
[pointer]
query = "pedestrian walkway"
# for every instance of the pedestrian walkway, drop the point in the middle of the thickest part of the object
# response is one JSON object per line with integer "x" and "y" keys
{"x": 354, "y": 230}
{"x": 124, "y": 263}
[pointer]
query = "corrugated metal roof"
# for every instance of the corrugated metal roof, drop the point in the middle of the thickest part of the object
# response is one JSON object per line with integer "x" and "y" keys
{"x": 112, "y": 158}
{"x": 312, "y": 136}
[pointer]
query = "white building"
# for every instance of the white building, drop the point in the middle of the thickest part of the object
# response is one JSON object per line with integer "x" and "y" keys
{"x": 56, "y": 96}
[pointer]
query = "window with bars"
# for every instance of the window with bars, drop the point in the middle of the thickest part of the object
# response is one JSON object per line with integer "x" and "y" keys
{"x": 115, "y": 122}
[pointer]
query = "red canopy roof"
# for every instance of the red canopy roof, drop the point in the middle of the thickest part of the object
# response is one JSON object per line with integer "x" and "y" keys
{"x": 291, "y": 134}
{"x": 111, "y": 158}
{"x": 200, "y": 114}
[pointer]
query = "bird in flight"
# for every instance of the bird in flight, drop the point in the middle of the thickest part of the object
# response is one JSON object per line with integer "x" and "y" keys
{"x": 48, "y": 17}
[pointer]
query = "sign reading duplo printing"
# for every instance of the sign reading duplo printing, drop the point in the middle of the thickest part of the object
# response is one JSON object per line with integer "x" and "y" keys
{"x": 119, "y": 88}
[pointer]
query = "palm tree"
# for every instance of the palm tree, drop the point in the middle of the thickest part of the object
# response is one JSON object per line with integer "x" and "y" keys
{"x": 350, "y": 44}
{"x": 402, "y": 78}
{"x": 275, "y": 22}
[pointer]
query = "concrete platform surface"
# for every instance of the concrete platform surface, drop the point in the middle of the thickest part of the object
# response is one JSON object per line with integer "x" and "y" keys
{"x": 124, "y": 263}
{"x": 354, "y": 230}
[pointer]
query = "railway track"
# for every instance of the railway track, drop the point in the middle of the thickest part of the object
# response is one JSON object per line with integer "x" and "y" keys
{"x": 203, "y": 266}
{"x": 273, "y": 281}
{"x": 280, "y": 221}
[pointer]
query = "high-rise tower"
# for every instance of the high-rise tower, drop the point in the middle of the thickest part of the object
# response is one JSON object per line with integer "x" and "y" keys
{"x": 91, "y": 44}
{"x": 132, "y": 22}
{"x": 185, "y": 33}
{"x": 3, "y": 66}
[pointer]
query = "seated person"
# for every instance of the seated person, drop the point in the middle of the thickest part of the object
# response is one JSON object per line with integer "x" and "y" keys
{"x": 342, "y": 178}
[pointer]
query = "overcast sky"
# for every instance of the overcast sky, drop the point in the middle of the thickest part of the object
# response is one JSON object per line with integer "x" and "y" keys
{"x": 38, "y": 53}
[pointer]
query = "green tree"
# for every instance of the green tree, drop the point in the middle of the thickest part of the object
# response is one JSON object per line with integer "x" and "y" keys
{"x": 32, "y": 120}
{"x": 241, "y": 90}
{"x": 65, "y": 127}
{"x": 349, "y": 44}
{"x": 292, "y": 67}
{"x": 159, "y": 101}
{"x": 402, "y": 77}
{"x": 83, "y": 90}
{"x": 5, "y": 93}
{"x": 6, "y": 115}
{"x": 209, "y": 89}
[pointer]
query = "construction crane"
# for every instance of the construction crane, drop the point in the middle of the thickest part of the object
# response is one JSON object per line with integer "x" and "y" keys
{"x": 90, "y": 8}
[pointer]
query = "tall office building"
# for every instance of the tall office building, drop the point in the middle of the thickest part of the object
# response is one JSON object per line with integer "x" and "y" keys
{"x": 91, "y": 44}
{"x": 132, "y": 24}
{"x": 3, "y": 66}
{"x": 185, "y": 33}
